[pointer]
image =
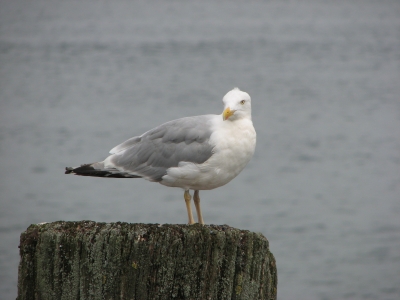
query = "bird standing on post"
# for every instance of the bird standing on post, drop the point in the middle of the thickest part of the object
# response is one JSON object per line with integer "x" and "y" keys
{"x": 193, "y": 153}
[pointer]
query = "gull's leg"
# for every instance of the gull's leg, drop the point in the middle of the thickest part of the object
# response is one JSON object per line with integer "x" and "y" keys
{"x": 196, "y": 199}
{"x": 188, "y": 206}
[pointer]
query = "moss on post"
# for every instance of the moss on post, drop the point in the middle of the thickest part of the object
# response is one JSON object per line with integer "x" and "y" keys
{"x": 89, "y": 260}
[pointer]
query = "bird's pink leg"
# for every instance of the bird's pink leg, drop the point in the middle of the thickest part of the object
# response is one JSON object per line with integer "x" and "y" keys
{"x": 188, "y": 206}
{"x": 196, "y": 199}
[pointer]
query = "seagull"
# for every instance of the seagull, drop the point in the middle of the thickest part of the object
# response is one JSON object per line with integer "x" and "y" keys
{"x": 193, "y": 153}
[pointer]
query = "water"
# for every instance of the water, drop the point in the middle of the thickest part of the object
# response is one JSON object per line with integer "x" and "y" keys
{"x": 78, "y": 78}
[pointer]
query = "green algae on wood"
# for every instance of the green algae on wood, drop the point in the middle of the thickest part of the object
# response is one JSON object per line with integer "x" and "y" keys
{"x": 89, "y": 260}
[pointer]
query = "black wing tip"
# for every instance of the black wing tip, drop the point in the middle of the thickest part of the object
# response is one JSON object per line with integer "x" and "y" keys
{"x": 77, "y": 170}
{"x": 88, "y": 170}
{"x": 69, "y": 170}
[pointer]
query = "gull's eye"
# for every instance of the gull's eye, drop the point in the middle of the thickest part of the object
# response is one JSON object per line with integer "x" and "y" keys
{"x": 242, "y": 102}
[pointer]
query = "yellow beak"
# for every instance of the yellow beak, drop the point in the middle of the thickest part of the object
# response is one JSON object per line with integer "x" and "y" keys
{"x": 227, "y": 113}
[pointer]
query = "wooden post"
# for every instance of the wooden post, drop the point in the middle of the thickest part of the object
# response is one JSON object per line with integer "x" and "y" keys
{"x": 89, "y": 260}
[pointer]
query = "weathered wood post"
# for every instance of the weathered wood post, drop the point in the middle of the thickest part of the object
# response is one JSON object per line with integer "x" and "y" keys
{"x": 89, "y": 260}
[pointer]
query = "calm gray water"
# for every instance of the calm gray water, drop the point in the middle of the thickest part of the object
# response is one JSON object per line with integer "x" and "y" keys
{"x": 78, "y": 78}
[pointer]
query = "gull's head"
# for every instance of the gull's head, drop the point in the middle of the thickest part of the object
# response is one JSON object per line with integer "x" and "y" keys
{"x": 237, "y": 105}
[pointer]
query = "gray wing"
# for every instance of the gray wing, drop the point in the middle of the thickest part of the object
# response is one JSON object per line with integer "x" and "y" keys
{"x": 151, "y": 154}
